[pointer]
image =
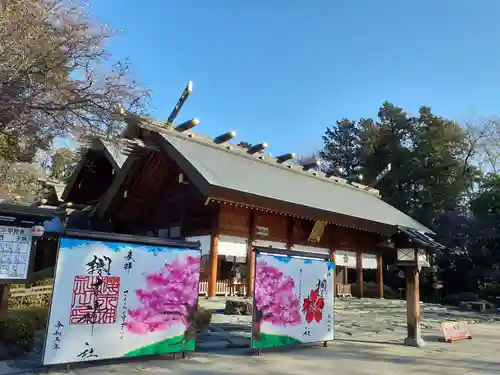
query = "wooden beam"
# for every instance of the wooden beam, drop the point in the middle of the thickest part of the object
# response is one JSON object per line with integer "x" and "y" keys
{"x": 4, "y": 301}
{"x": 380, "y": 276}
{"x": 250, "y": 252}
{"x": 414, "y": 337}
{"x": 116, "y": 187}
{"x": 214, "y": 254}
{"x": 359, "y": 274}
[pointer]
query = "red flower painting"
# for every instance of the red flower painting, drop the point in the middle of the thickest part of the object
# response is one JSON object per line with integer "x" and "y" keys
{"x": 313, "y": 307}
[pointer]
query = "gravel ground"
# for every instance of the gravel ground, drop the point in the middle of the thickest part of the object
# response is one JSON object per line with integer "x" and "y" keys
{"x": 353, "y": 317}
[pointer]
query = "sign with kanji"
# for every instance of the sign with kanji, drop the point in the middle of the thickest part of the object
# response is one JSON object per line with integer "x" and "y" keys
{"x": 261, "y": 231}
{"x": 15, "y": 252}
{"x": 118, "y": 299}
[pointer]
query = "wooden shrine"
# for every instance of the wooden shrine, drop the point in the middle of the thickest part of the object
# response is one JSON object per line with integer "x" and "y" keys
{"x": 176, "y": 183}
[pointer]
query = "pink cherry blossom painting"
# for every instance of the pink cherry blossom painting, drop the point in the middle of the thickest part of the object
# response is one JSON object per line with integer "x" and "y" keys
{"x": 293, "y": 301}
{"x": 170, "y": 297}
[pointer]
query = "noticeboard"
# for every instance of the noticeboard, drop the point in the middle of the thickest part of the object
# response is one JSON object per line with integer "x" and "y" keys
{"x": 15, "y": 253}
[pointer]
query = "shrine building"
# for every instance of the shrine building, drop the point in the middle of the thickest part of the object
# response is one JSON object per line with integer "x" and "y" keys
{"x": 172, "y": 182}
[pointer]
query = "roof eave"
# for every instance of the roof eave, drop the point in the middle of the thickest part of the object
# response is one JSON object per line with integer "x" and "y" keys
{"x": 266, "y": 203}
{"x": 74, "y": 177}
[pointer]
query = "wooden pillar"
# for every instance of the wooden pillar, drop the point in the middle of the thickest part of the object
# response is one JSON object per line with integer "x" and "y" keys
{"x": 289, "y": 233}
{"x": 214, "y": 255}
{"x": 4, "y": 300}
{"x": 380, "y": 276}
{"x": 345, "y": 278}
{"x": 414, "y": 337}
{"x": 250, "y": 252}
{"x": 332, "y": 258}
{"x": 359, "y": 274}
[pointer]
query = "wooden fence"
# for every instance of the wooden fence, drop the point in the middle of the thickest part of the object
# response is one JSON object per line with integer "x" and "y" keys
{"x": 28, "y": 292}
{"x": 222, "y": 288}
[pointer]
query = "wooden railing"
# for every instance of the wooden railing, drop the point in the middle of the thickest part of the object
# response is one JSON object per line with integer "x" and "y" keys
{"x": 344, "y": 290}
{"x": 222, "y": 288}
{"x": 203, "y": 288}
{"x": 27, "y": 292}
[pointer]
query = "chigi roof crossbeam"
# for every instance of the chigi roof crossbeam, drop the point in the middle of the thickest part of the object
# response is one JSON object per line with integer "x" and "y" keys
{"x": 255, "y": 150}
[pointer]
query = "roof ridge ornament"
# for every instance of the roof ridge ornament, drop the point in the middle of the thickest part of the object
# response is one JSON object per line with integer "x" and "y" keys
{"x": 257, "y": 148}
{"x": 282, "y": 158}
{"x": 182, "y": 99}
{"x": 184, "y": 130}
{"x": 311, "y": 165}
{"x": 223, "y": 138}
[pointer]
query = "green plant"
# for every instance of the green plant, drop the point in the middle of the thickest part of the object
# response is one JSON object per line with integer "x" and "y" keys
{"x": 203, "y": 317}
{"x": 17, "y": 331}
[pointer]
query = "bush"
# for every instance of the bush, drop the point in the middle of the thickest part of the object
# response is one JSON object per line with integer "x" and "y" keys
{"x": 43, "y": 277}
{"x": 17, "y": 331}
{"x": 371, "y": 290}
{"x": 203, "y": 317}
{"x": 455, "y": 299}
{"x": 40, "y": 278}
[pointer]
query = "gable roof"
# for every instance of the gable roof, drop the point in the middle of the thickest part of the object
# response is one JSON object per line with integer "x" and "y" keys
{"x": 112, "y": 153}
{"x": 229, "y": 173}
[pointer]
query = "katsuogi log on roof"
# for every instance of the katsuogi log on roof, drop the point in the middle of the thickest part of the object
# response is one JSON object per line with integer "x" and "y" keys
{"x": 226, "y": 172}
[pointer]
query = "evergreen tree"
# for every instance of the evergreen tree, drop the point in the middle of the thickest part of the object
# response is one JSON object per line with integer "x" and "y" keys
{"x": 341, "y": 147}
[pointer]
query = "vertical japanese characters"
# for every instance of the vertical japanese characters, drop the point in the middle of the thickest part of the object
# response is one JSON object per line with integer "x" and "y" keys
{"x": 129, "y": 260}
{"x": 124, "y": 314}
{"x": 57, "y": 335}
{"x": 99, "y": 265}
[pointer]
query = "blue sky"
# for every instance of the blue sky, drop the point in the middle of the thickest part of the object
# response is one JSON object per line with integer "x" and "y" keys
{"x": 281, "y": 71}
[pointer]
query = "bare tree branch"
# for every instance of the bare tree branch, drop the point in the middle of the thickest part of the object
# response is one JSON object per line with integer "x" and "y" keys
{"x": 52, "y": 80}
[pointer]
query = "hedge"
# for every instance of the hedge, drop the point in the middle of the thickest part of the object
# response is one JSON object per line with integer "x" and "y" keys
{"x": 28, "y": 315}
{"x": 18, "y": 330}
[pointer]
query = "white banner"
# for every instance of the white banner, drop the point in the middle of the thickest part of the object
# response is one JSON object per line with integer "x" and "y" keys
{"x": 370, "y": 261}
{"x": 293, "y": 301}
{"x": 311, "y": 249}
{"x": 273, "y": 244}
{"x": 114, "y": 300}
{"x": 345, "y": 259}
{"x": 233, "y": 246}
{"x": 204, "y": 242}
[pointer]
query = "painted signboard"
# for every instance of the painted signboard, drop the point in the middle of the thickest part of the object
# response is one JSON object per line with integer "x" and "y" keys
{"x": 453, "y": 331}
{"x": 15, "y": 253}
{"x": 293, "y": 301}
{"x": 115, "y": 299}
